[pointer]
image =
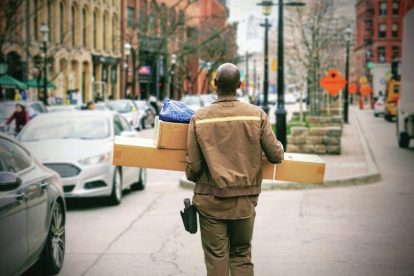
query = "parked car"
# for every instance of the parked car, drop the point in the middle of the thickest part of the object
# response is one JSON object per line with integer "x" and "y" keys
{"x": 78, "y": 145}
{"x": 32, "y": 212}
{"x": 193, "y": 102}
{"x": 379, "y": 108}
{"x": 128, "y": 109}
{"x": 146, "y": 114}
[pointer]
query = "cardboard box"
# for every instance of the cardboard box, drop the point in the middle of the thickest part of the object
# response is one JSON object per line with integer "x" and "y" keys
{"x": 171, "y": 135}
{"x": 142, "y": 153}
{"x": 137, "y": 152}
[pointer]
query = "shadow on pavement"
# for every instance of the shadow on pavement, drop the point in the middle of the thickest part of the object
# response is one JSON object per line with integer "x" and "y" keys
{"x": 74, "y": 204}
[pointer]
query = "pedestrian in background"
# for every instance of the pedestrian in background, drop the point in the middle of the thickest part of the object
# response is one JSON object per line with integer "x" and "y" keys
{"x": 20, "y": 116}
{"x": 224, "y": 159}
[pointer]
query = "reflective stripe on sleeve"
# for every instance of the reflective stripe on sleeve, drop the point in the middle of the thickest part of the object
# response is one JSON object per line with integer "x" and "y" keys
{"x": 228, "y": 119}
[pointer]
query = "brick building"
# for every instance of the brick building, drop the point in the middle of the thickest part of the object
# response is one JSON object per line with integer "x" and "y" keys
{"x": 378, "y": 31}
{"x": 157, "y": 30}
{"x": 83, "y": 45}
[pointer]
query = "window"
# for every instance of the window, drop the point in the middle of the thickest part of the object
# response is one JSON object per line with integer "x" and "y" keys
{"x": 382, "y": 32}
{"x": 12, "y": 157}
{"x": 382, "y": 8}
{"x": 130, "y": 17}
{"x": 94, "y": 30}
{"x": 113, "y": 33}
{"x": 73, "y": 24}
{"x": 395, "y": 52}
{"x": 394, "y": 30}
{"x": 104, "y": 32}
{"x": 84, "y": 27}
{"x": 120, "y": 124}
{"x": 395, "y": 8}
{"x": 35, "y": 20}
{"x": 381, "y": 54}
{"x": 61, "y": 23}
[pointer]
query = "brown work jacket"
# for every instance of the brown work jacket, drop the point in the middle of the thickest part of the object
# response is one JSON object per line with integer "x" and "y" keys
{"x": 225, "y": 145}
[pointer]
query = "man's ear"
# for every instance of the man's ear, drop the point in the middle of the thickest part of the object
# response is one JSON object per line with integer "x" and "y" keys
{"x": 239, "y": 84}
{"x": 215, "y": 83}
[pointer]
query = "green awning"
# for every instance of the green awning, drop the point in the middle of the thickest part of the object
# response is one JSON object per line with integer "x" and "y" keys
{"x": 33, "y": 84}
{"x": 8, "y": 81}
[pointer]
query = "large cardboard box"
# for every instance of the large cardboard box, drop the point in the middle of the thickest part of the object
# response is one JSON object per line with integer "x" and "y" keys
{"x": 137, "y": 152}
{"x": 171, "y": 135}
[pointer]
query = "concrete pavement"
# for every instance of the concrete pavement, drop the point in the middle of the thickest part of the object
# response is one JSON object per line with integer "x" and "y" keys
{"x": 355, "y": 230}
{"x": 354, "y": 166}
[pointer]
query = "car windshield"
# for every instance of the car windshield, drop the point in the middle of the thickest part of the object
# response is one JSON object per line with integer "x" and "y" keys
{"x": 64, "y": 127}
{"x": 120, "y": 106}
{"x": 141, "y": 104}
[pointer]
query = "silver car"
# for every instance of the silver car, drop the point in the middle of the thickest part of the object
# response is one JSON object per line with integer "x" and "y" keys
{"x": 32, "y": 212}
{"x": 128, "y": 109}
{"x": 78, "y": 145}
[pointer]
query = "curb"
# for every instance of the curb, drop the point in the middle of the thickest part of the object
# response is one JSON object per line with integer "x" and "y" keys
{"x": 372, "y": 176}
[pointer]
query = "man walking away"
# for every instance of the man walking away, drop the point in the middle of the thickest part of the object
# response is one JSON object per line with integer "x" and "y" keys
{"x": 224, "y": 158}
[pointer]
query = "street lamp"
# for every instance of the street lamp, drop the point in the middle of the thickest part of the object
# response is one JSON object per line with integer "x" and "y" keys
{"x": 173, "y": 63}
{"x": 348, "y": 37}
{"x": 281, "y": 111}
{"x": 45, "y": 38}
{"x": 266, "y": 10}
{"x": 127, "y": 52}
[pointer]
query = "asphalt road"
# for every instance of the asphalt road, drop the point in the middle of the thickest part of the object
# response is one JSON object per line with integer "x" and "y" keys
{"x": 363, "y": 230}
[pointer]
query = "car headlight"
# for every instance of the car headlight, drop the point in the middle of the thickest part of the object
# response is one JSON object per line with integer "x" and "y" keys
{"x": 96, "y": 159}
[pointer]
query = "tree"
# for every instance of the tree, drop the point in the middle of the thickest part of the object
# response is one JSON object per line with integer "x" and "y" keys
{"x": 316, "y": 44}
{"x": 173, "y": 29}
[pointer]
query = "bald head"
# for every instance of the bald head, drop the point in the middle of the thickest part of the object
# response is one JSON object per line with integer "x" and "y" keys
{"x": 227, "y": 79}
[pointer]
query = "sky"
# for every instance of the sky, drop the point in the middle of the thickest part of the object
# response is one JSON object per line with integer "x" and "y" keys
{"x": 240, "y": 10}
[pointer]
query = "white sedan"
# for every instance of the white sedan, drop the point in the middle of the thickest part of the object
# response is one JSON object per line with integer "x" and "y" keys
{"x": 128, "y": 109}
{"x": 78, "y": 145}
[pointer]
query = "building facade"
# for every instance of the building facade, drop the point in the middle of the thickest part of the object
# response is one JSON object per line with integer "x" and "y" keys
{"x": 379, "y": 27}
{"x": 83, "y": 50}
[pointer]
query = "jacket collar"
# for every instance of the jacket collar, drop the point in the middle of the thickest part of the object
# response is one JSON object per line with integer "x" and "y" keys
{"x": 226, "y": 98}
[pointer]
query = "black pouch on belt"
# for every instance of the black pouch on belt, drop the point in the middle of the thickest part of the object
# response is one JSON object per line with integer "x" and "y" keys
{"x": 189, "y": 216}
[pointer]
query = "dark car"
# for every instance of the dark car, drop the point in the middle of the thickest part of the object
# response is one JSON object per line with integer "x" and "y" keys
{"x": 32, "y": 212}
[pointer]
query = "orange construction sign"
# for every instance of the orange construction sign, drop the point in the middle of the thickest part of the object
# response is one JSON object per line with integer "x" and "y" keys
{"x": 365, "y": 90}
{"x": 333, "y": 82}
{"x": 352, "y": 88}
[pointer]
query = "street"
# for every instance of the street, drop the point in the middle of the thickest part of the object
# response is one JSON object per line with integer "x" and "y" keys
{"x": 362, "y": 230}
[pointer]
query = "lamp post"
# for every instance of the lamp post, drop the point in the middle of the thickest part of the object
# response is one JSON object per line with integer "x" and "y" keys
{"x": 127, "y": 52}
{"x": 173, "y": 63}
{"x": 266, "y": 10}
{"x": 281, "y": 111}
{"x": 45, "y": 38}
{"x": 348, "y": 36}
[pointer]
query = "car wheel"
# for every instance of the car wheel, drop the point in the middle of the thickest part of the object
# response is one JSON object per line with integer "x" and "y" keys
{"x": 403, "y": 140}
{"x": 142, "y": 181}
{"x": 54, "y": 252}
{"x": 376, "y": 114}
{"x": 116, "y": 195}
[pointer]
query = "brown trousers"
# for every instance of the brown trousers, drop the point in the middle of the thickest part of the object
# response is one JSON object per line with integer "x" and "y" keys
{"x": 227, "y": 245}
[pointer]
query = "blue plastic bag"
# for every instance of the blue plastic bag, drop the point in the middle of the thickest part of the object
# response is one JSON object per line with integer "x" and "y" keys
{"x": 176, "y": 112}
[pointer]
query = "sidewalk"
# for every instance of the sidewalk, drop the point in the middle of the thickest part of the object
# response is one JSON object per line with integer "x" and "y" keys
{"x": 354, "y": 166}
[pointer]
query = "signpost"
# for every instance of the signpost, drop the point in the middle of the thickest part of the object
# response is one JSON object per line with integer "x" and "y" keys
{"x": 333, "y": 82}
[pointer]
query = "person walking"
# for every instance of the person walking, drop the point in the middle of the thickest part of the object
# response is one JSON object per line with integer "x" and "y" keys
{"x": 224, "y": 159}
{"x": 21, "y": 117}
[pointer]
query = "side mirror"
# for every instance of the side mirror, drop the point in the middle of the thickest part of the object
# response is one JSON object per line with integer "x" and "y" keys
{"x": 9, "y": 181}
{"x": 130, "y": 134}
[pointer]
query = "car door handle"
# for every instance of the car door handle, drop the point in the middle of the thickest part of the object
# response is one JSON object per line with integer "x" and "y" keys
{"x": 44, "y": 185}
{"x": 20, "y": 195}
